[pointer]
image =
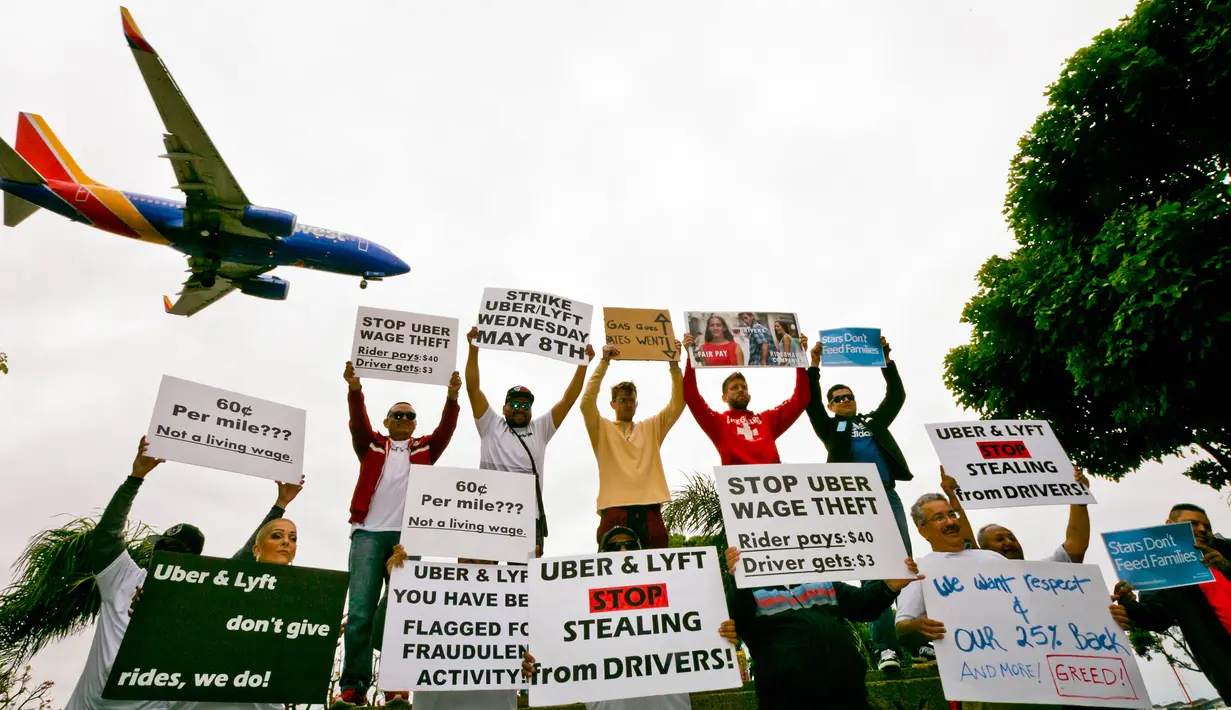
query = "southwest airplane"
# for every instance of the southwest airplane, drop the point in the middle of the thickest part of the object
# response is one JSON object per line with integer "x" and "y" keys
{"x": 230, "y": 242}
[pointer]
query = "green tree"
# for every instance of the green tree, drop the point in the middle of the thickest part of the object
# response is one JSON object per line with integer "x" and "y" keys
{"x": 4, "y": 368}
{"x": 1111, "y": 317}
{"x": 1145, "y": 643}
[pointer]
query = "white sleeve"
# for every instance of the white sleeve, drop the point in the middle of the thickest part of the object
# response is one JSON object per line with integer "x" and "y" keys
{"x": 910, "y": 603}
{"x": 119, "y": 580}
{"x": 1058, "y": 555}
{"x": 485, "y": 420}
{"x": 545, "y": 427}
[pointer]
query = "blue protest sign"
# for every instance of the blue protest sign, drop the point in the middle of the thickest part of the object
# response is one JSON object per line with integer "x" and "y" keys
{"x": 1159, "y": 557}
{"x": 852, "y": 347}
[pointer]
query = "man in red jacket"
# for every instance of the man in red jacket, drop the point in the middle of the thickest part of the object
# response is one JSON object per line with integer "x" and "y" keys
{"x": 376, "y": 516}
{"x": 741, "y": 436}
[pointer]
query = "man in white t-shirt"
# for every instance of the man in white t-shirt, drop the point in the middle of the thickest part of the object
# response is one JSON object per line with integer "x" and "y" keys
{"x": 515, "y": 440}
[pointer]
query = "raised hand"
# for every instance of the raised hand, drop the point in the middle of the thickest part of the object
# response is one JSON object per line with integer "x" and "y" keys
{"x": 816, "y": 355}
{"x": 132, "y": 605}
{"x": 349, "y": 375}
{"x": 948, "y": 483}
{"x": 688, "y": 340}
{"x": 679, "y": 351}
{"x": 1213, "y": 558}
{"x": 288, "y": 491}
{"x": 455, "y": 384}
{"x": 898, "y": 585}
{"x": 143, "y": 464}
{"x": 803, "y": 343}
{"x": 474, "y": 333}
{"x": 589, "y": 351}
{"x": 885, "y": 347}
{"x": 610, "y": 351}
{"x": 732, "y": 558}
{"x": 1123, "y": 592}
{"x": 1080, "y": 477}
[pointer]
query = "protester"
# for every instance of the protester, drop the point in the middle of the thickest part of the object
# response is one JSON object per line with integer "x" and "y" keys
{"x": 803, "y": 651}
{"x": 1202, "y": 611}
{"x": 998, "y": 538}
{"x": 118, "y": 577}
{"x": 719, "y": 347}
{"x": 631, "y": 482}
{"x": 741, "y": 436}
{"x": 376, "y": 516}
{"x": 850, "y": 437}
{"x": 760, "y": 340}
{"x": 516, "y": 441}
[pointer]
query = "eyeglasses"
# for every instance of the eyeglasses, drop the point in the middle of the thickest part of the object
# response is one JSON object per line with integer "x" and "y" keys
{"x": 843, "y": 398}
{"x": 621, "y": 545}
{"x": 399, "y": 416}
{"x": 941, "y": 517}
{"x": 518, "y": 404}
{"x": 626, "y": 400}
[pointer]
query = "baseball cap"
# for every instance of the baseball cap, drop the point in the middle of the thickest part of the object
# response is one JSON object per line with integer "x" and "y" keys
{"x": 180, "y": 538}
{"x": 519, "y": 392}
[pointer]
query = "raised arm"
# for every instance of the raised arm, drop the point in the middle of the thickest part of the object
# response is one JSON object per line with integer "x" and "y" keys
{"x": 286, "y": 494}
{"x": 1150, "y": 612}
{"x": 949, "y": 485}
{"x": 439, "y": 439}
{"x": 1077, "y": 535}
{"x": 361, "y": 434}
{"x": 561, "y": 408}
{"x": 692, "y": 397}
{"x": 895, "y": 393}
{"x": 817, "y": 413}
{"x": 478, "y": 400}
{"x": 106, "y": 540}
{"x": 666, "y": 419}
{"x": 589, "y": 398}
{"x": 781, "y": 418}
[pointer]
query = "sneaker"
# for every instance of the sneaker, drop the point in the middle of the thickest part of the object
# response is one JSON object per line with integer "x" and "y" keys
{"x": 349, "y": 698}
{"x": 925, "y": 655}
{"x": 888, "y": 662}
{"x": 396, "y": 700}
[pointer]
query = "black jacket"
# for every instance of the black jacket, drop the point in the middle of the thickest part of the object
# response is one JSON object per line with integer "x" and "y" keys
{"x": 1188, "y": 608}
{"x": 837, "y": 438}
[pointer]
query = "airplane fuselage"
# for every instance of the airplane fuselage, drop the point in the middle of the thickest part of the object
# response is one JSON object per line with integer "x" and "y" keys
{"x": 161, "y": 221}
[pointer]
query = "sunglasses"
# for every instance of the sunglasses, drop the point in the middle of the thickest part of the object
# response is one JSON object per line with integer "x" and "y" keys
{"x": 519, "y": 404}
{"x": 402, "y": 416}
{"x": 843, "y": 398}
{"x": 622, "y": 545}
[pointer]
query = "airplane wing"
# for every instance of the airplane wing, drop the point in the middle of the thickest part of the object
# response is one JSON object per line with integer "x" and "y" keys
{"x": 199, "y": 169}
{"x": 195, "y": 296}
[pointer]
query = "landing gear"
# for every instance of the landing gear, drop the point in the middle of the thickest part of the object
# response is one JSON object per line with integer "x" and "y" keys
{"x": 208, "y": 279}
{"x": 363, "y": 283}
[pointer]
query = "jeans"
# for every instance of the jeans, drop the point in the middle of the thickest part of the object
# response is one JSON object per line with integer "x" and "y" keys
{"x": 884, "y": 631}
{"x": 365, "y": 613}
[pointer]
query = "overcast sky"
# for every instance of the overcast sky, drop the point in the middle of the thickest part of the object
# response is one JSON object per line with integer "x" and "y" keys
{"x": 844, "y": 161}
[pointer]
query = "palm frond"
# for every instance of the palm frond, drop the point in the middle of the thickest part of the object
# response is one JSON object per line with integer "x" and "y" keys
{"x": 694, "y": 508}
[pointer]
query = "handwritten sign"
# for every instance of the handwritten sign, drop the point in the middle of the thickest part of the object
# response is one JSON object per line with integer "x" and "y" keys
{"x": 852, "y": 347}
{"x": 628, "y": 624}
{"x": 796, "y": 523}
{"x": 408, "y": 347}
{"x": 471, "y": 513}
{"x": 1006, "y": 463}
{"x": 1029, "y": 632}
{"x": 455, "y": 627}
{"x": 1157, "y": 557}
{"x": 640, "y": 333}
{"x": 216, "y": 428}
{"x": 534, "y": 322}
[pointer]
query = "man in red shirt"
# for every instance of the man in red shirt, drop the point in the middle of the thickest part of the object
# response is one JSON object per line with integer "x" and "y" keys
{"x": 741, "y": 436}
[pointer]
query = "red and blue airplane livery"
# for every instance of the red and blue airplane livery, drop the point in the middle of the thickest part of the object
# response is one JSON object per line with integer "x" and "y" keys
{"x": 230, "y": 242}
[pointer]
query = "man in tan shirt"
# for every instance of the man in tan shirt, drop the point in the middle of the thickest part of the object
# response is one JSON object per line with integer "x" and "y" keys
{"x": 631, "y": 482}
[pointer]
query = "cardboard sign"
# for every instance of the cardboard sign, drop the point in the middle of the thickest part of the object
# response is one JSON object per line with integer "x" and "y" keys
{"x": 628, "y": 624}
{"x": 471, "y": 513}
{"x": 852, "y": 347}
{"x": 216, "y": 428}
{"x": 455, "y": 627}
{"x": 534, "y": 322}
{"x": 1029, "y": 632}
{"x": 209, "y": 629}
{"x": 745, "y": 339}
{"x": 407, "y": 347}
{"x": 796, "y": 523}
{"x": 1157, "y": 557}
{"x": 1002, "y": 463}
{"x": 640, "y": 333}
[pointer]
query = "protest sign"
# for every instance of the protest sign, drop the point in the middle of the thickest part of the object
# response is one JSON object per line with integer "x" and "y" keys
{"x": 1002, "y": 463}
{"x": 640, "y": 333}
{"x": 628, "y": 624}
{"x": 796, "y": 523}
{"x": 1157, "y": 557}
{"x": 745, "y": 339}
{"x": 455, "y": 627}
{"x": 215, "y": 428}
{"x": 534, "y": 322}
{"x": 408, "y": 347}
{"x": 209, "y": 629}
{"x": 1029, "y": 632}
{"x": 852, "y": 347}
{"x": 470, "y": 512}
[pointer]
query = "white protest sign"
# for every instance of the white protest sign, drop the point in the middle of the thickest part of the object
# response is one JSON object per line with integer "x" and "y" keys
{"x": 628, "y": 624}
{"x": 796, "y": 523}
{"x": 1002, "y": 463}
{"x": 408, "y": 347}
{"x": 471, "y": 513}
{"x": 534, "y": 322}
{"x": 215, "y": 428}
{"x": 455, "y": 627}
{"x": 1029, "y": 632}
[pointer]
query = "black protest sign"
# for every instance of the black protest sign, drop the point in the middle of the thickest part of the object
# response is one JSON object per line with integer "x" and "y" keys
{"x": 210, "y": 629}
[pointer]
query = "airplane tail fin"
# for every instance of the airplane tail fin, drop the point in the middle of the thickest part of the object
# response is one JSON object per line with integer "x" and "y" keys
{"x": 13, "y": 167}
{"x": 38, "y": 145}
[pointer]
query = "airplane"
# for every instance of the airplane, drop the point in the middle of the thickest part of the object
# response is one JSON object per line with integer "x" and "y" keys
{"x": 230, "y": 243}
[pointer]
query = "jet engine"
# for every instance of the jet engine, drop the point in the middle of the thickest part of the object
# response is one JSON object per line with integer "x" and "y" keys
{"x": 275, "y": 223}
{"x": 269, "y": 287}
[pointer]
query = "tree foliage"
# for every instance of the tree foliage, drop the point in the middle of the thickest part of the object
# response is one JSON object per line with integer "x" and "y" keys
{"x": 694, "y": 516}
{"x": 1146, "y": 643}
{"x": 1111, "y": 317}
